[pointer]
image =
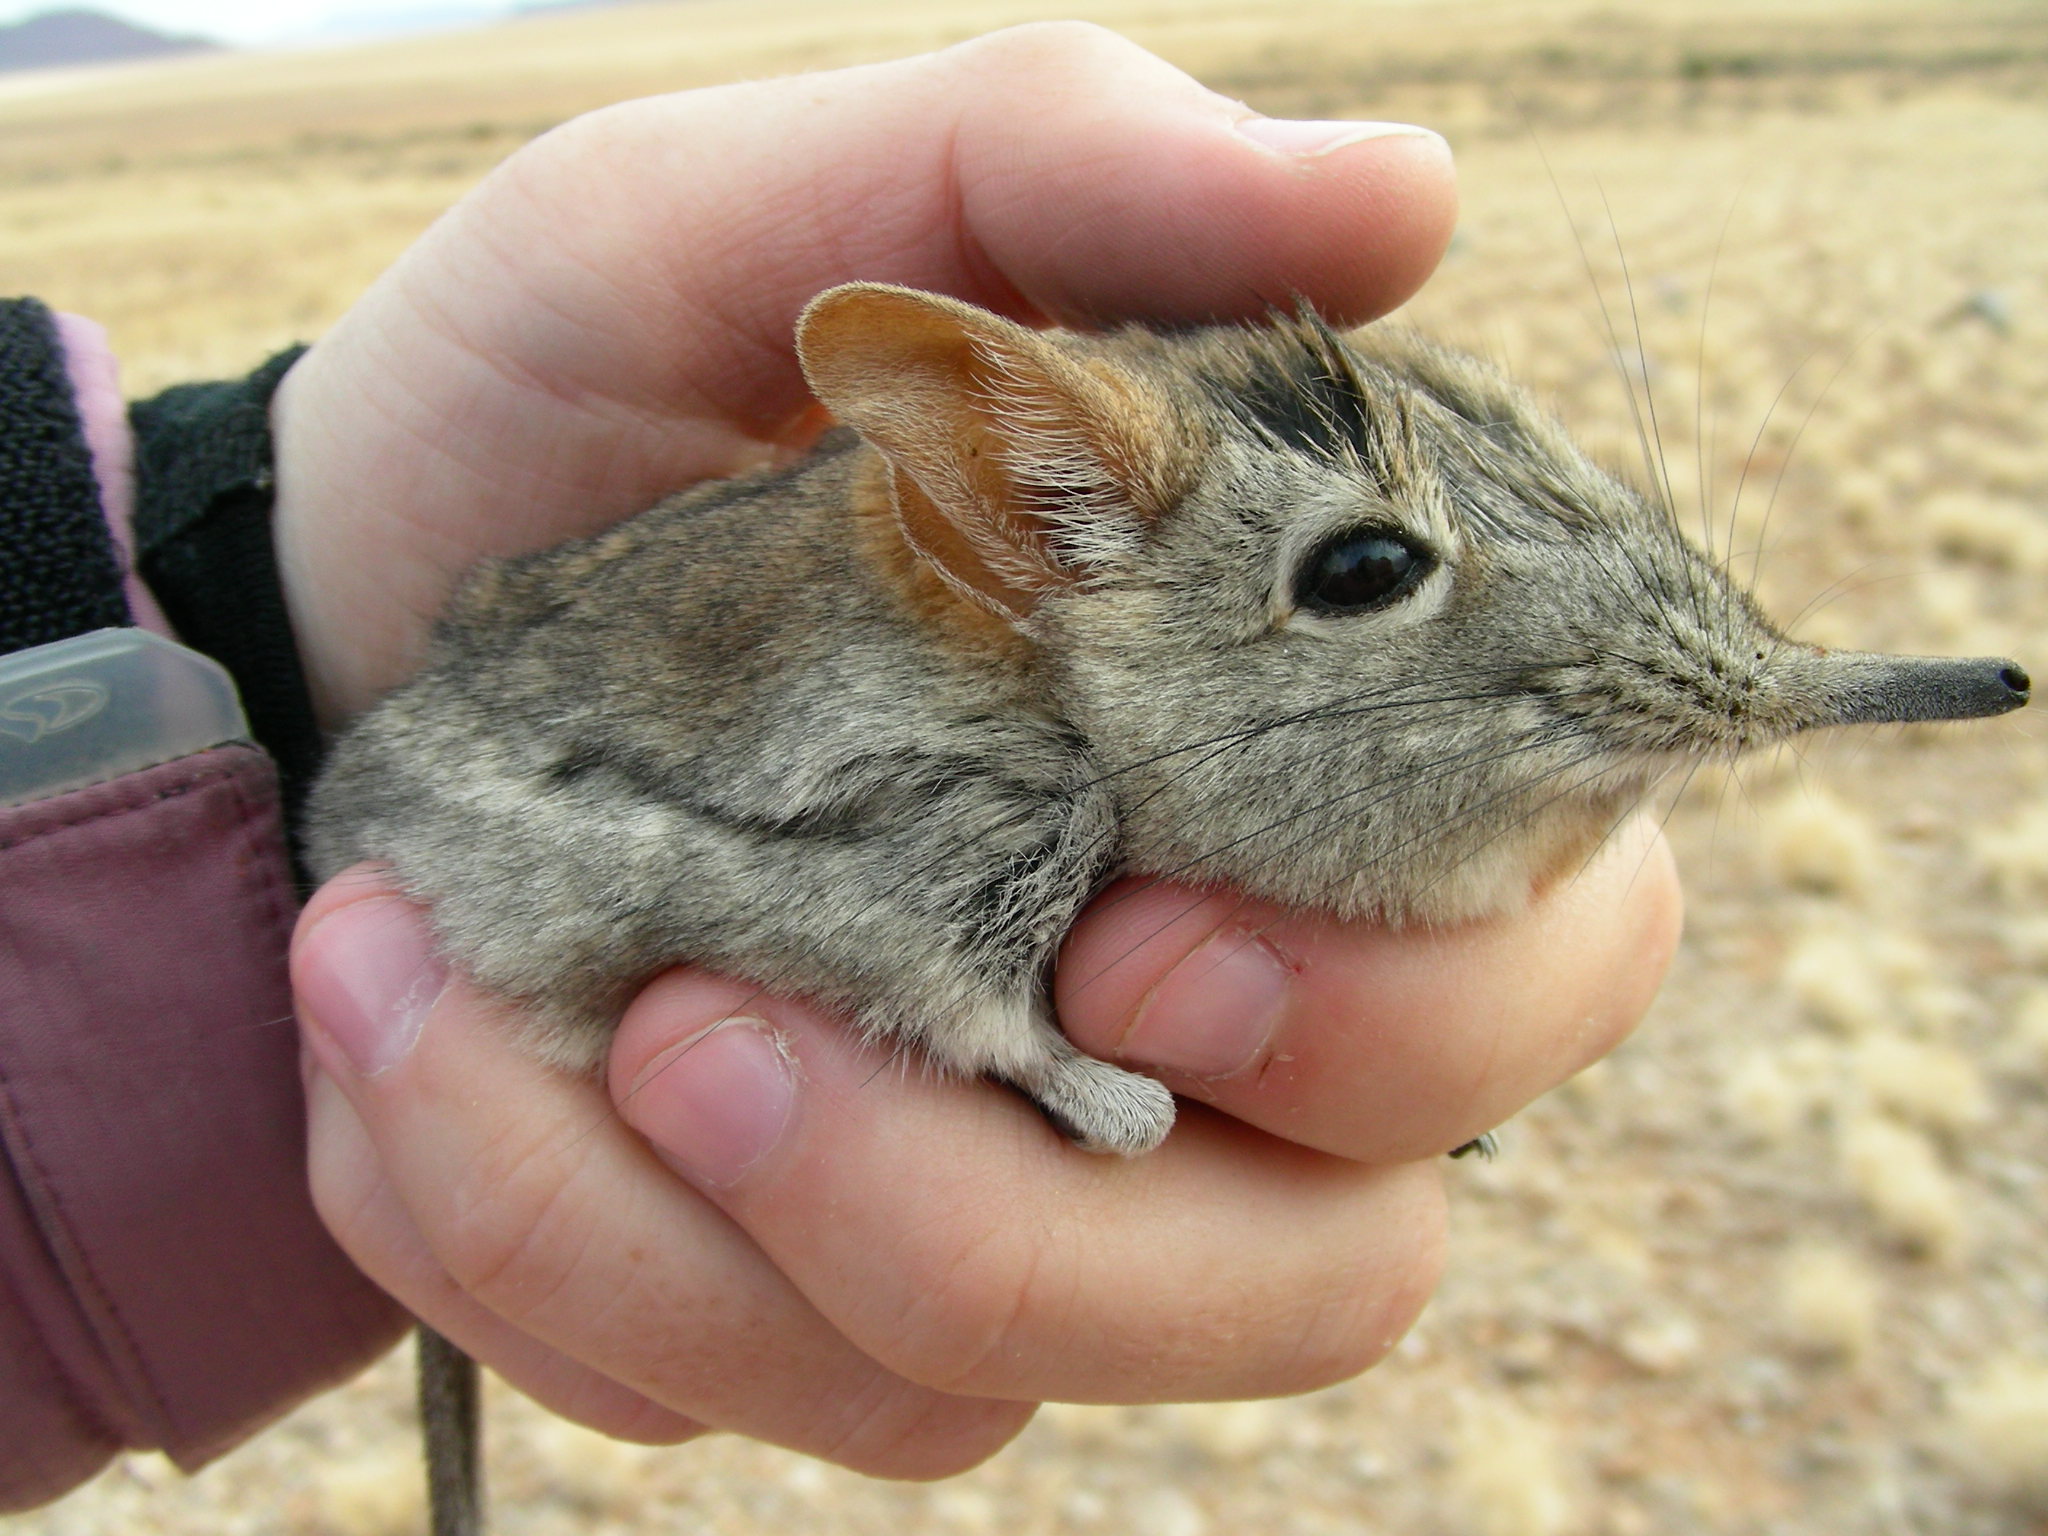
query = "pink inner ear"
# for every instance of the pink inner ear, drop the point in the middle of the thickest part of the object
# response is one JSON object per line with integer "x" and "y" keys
{"x": 1016, "y": 465}
{"x": 967, "y": 568}
{"x": 918, "y": 376}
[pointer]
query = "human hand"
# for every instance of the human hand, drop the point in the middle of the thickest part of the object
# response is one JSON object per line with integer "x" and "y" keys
{"x": 910, "y": 1262}
{"x": 608, "y": 318}
{"x": 888, "y": 1269}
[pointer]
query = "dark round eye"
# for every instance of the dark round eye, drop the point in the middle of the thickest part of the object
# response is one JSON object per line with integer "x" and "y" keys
{"x": 1361, "y": 570}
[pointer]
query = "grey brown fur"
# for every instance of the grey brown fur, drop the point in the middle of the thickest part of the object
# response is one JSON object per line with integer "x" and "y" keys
{"x": 873, "y": 729}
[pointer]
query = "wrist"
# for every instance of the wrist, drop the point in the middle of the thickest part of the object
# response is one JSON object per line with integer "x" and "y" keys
{"x": 204, "y": 490}
{"x": 314, "y": 488}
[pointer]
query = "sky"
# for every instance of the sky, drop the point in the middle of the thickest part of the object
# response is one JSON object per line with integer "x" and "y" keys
{"x": 261, "y": 21}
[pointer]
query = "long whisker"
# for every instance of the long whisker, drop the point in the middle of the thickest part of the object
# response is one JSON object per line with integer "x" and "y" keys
{"x": 1749, "y": 459}
{"x": 1702, "y": 449}
{"x": 1646, "y": 427}
{"x": 1778, "y": 484}
{"x": 1660, "y": 468}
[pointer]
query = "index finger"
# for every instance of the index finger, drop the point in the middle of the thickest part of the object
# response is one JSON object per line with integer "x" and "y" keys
{"x": 1373, "y": 1043}
{"x": 609, "y": 318}
{"x": 1053, "y": 171}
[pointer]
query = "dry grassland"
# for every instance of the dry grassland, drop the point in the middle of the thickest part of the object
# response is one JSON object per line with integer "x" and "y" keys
{"x": 1781, "y": 1266}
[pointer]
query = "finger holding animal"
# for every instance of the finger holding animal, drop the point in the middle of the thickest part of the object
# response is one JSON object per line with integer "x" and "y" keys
{"x": 957, "y": 1237}
{"x": 904, "y": 1240}
{"x": 509, "y": 1207}
{"x": 1372, "y": 1044}
{"x": 638, "y": 339}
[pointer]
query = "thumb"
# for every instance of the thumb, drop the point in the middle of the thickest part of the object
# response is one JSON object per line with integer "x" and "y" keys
{"x": 608, "y": 317}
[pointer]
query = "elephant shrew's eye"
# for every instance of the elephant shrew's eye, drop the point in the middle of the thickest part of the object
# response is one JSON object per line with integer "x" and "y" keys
{"x": 1360, "y": 570}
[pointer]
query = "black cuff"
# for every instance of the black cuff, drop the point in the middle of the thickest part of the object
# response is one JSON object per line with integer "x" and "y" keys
{"x": 202, "y": 541}
{"x": 59, "y": 574}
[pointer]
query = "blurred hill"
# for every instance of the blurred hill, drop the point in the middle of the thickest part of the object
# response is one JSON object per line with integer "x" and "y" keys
{"x": 86, "y": 37}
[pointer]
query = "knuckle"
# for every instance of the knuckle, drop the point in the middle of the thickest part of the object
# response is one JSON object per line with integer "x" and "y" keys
{"x": 1053, "y": 48}
{"x": 564, "y": 166}
{"x": 919, "y": 1436}
{"x": 1283, "y": 1322}
{"x": 349, "y": 1196}
{"x": 600, "y": 130}
{"x": 619, "y": 1413}
{"x": 508, "y": 1234}
{"x": 487, "y": 1258}
{"x": 1346, "y": 1322}
{"x": 971, "y": 1316}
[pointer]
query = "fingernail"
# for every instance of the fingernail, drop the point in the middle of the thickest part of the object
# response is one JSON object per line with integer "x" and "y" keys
{"x": 1214, "y": 1012}
{"x": 373, "y": 977}
{"x": 718, "y": 1103}
{"x": 1306, "y": 140}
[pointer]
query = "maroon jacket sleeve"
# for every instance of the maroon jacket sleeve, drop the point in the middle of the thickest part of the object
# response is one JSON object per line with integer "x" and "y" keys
{"x": 164, "y": 1281}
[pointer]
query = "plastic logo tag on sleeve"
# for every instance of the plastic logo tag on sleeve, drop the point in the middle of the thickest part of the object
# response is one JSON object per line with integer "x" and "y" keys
{"x": 99, "y": 705}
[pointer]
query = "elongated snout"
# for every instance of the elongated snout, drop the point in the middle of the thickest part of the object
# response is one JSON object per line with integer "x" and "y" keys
{"x": 1866, "y": 688}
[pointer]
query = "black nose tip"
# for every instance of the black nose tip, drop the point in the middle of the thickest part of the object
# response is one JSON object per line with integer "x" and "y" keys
{"x": 2017, "y": 683}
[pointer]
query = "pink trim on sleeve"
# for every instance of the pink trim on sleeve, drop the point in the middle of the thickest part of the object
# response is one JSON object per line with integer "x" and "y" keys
{"x": 96, "y": 395}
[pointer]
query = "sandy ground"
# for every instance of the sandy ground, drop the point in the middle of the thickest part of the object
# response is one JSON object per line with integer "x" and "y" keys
{"x": 1780, "y": 1265}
